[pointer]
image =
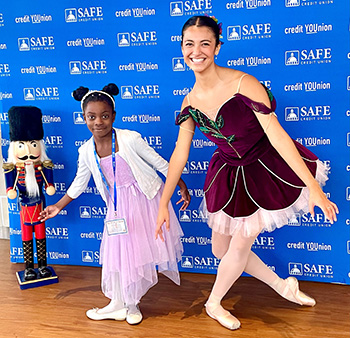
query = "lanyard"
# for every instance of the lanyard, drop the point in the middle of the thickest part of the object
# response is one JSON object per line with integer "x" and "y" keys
{"x": 103, "y": 176}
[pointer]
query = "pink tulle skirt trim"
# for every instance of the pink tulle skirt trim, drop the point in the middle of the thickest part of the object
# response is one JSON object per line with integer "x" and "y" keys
{"x": 263, "y": 220}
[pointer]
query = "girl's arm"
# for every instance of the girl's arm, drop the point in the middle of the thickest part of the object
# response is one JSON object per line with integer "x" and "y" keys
{"x": 284, "y": 145}
{"x": 78, "y": 186}
{"x": 52, "y": 210}
{"x": 177, "y": 163}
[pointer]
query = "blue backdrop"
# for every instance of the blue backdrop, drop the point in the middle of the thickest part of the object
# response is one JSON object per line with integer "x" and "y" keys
{"x": 297, "y": 48}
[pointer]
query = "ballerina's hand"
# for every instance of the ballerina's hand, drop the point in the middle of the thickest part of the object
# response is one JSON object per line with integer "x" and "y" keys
{"x": 163, "y": 217}
{"x": 318, "y": 198}
{"x": 185, "y": 197}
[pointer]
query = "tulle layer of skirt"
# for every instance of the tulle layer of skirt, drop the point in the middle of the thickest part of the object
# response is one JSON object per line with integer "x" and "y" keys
{"x": 130, "y": 261}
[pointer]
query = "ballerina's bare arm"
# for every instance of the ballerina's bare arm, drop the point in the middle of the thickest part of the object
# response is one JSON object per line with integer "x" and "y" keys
{"x": 281, "y": 141}
{"x": 176, "y": 165}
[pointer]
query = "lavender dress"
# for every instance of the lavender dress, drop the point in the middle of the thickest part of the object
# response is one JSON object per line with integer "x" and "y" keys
{"x": 249, "y": 188}
{"x": 130, "y": 261}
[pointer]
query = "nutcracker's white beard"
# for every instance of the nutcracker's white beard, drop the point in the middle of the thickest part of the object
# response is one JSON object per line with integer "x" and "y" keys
{"x": 32, "y": 187}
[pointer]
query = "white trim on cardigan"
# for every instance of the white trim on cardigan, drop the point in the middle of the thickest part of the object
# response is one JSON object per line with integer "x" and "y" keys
{"x": 142, "y": 159}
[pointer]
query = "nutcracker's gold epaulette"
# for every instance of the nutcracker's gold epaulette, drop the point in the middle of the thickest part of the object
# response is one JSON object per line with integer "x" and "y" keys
{"x": 8, "y": 167}
{"x": 48, "y": 164}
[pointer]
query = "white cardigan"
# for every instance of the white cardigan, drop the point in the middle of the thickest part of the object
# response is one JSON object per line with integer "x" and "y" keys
{"x": 142, "y": 159}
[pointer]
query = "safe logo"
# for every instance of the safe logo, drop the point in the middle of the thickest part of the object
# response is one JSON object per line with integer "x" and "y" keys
{"x": 123, "y": 39}
{"x": 36, "y": 43}
{"x": 23, "y": 44}
{"x": 292, "y": 3}
{"x": 291, "y": 113}
{"x": 71, "y": 15}
{"x": 75, "y": 67}
{"x": 292, "y": 58}
{"x": 176, "y": 8}
{"x": 83, "y": 14}
{"x": 29, "y": 94}
{"x": 87, "y": 256}
{"x": 178, "y": 64}
{"x": 85, "y": 211}
{"x": 127, "y": 92}
{"x": 78, "y": 118}
{"x": 295, "y": 269}
{"x": 187, "y": 262}
{"x": 45, "y": 93}
{"x": 186, "y": 168}
{"x": 234, "y": 33}
{"x": 295, "y": 220}
{"x": 185, "y": 215}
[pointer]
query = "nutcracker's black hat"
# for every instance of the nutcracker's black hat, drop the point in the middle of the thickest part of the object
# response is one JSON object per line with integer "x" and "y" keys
{"x": 25, "y": 123}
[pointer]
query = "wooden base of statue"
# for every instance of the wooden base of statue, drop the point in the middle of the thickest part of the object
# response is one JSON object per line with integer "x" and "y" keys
{"x": 28, "y": 284}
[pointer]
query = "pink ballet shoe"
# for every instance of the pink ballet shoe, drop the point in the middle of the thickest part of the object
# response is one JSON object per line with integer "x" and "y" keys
{"x": 226, "y": 320}
{"x": 292, "y": 293}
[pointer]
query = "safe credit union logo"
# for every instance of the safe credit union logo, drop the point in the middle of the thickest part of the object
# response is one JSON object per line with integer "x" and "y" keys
{"x": 92, "y": 13}
{"x": 137, "y": 39}
{"x": 249, "y": 32}
{"x": 190, "y": 7}
{"x": 36, "y": 43}
{"x": 308, "y": 56}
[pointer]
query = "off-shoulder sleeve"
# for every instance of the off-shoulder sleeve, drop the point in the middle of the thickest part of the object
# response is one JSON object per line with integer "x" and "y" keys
{"x": 183, "y": 116}
{"x": 260, "y": 107}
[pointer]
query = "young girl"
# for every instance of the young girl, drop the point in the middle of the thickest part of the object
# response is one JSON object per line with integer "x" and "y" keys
{"x": 257, "y": 178}
{"x": 123, "y": 167}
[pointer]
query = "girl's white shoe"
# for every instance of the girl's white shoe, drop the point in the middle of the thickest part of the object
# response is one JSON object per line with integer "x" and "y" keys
{"x": 134, "y": 315}
{"x": 116, "y": 315}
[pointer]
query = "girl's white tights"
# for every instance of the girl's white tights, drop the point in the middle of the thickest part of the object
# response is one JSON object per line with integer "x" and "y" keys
{"x": 117, "y": 302}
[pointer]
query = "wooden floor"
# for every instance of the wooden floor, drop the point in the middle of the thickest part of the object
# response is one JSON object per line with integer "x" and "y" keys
{"x": 58, "y": 310}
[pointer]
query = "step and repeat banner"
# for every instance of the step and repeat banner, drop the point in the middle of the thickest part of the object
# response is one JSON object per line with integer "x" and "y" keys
{"x": 297, "y": 48}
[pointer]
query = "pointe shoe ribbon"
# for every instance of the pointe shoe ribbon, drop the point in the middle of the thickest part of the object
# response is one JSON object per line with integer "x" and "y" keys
{"x": 116, "y": 315}
{"x": 299, "y": 297}
{"x": 226, "y": 320}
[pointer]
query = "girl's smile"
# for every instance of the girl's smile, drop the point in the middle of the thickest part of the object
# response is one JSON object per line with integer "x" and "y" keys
{"x": 99, "y": 118}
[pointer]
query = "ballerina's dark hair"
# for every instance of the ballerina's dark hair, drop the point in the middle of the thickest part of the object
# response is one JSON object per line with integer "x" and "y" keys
{"x": 203, "y": 21}
{"x": 85, "y": 95}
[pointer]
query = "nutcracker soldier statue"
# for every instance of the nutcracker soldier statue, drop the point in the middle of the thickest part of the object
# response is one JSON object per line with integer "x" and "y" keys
{"x": 29, "y": 169}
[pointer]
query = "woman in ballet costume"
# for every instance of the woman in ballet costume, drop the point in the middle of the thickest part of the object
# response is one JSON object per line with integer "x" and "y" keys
{"x": 258, "y": 176}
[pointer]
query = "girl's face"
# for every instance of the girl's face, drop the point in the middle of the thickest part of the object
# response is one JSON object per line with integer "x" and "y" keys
{"x": 99, "y": 118}
{"x": 198, "y": 47}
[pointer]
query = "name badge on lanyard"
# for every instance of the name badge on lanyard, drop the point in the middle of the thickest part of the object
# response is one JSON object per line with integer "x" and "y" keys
{"x": 114, "y": 226}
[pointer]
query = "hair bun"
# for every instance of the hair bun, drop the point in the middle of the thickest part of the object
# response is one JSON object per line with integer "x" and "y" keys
{"x": 111, "y": 89}
{"x": 79, "y": 93}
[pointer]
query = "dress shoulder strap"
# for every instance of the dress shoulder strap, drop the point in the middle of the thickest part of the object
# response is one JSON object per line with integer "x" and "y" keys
{"x": 239, "y": 82}
{"x": 188, "y": 99}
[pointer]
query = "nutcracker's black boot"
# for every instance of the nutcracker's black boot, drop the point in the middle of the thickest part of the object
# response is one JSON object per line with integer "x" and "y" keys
{"x": 29, "y": 272}
{"x": 44, "y": 271}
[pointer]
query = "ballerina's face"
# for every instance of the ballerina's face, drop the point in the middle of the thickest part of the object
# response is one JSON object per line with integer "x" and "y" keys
{"x": 99, "y": 117}
{"x": 199, "y": 47}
